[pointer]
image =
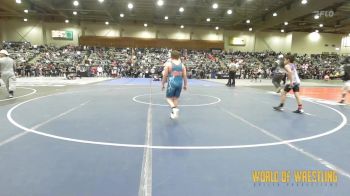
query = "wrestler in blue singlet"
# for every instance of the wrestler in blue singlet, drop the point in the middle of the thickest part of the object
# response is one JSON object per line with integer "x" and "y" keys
{"x": 174, "y": 81}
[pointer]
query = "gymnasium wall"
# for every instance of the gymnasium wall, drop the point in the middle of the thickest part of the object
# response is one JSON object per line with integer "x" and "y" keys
{"x": 138, "y": 31}
{"x": 48, "y": 27}
{"x": 97, "y": 29}
{"x": 312, "y": 43}
{"x": 155, "y": 32}
{"x": 345, "y": 47}
{"x": 38, "y": 32}
{"x": 122, "y": 42}
{"x": 294, "y": 42}
{"x": 207, "y": 34}
{"x": 267, "y": 41}
{"x": 247, "y": 36}
{"x": 14, "y": 30}
{"x": 1, "y": 32}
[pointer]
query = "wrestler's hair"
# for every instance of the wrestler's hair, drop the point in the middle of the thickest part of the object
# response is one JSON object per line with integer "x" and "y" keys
{"x": 175, "y": 54}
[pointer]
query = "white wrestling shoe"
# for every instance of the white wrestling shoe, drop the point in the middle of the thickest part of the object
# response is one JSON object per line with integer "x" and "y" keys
{"x": 172, "y": 115}
{"x": 176, "y": 112}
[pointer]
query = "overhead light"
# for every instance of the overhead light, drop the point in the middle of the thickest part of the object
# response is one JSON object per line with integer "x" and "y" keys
{"x": 130, "y": 6}
{"x": 282, "y": 30}
{"x": 66, "y": 21}
{"x": 316, "y": 16}
{"x": 217, "y": 28}
{"x": 304, "y": 2}
{"x": 208, "y": 19}
{"x": 160, "y": 2}
{"x": 229, "y": 12}
{"x": 316, "y": 31}
{"x": 107, "y": 23}
{"x": 321, "y": 25}
{"x": 274, "y": 14}
{"x": 286, "y": 23}
{"x": 122, "y": 15}
{"x": 248, "y": 21}
{"x": 182, "y": 26}
{"x": 26, "y": 11}
{"x": 75, "y": 3}
{"x": 215, "y": 6}
{"x": 145, "y": 25}
{"x": 166, "y": 17}
{"x": 19, "y": 1}
{"x": 181, "y": 9}
{"x": 101, "y": 1}
{"x": 75, "y": 13}
{"x": 250, "y": 29}
{"x": 25, "y": 20}
{"x": 337, "y": 49}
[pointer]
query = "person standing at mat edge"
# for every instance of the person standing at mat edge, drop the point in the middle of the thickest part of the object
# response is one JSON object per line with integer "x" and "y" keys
{"x": 175, "y": 74}
{"x": 278, "y": 73}
{"x": 294, "y": 83}
{"x": 232, "y": 73}
{"x": 7, "y": 70}
{"x": 346, "y": 78}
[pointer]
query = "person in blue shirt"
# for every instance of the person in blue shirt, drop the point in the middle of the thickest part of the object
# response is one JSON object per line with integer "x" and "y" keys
{"x": 175, "y": 74}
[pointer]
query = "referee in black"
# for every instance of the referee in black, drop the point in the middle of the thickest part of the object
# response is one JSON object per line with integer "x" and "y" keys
{"x": 232, "y": 74}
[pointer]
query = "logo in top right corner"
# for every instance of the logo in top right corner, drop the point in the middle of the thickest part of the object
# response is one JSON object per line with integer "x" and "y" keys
{"x": 324, "y": 13}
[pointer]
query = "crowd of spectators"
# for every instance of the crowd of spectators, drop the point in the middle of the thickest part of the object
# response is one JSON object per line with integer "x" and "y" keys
{"x": 50, "y": 61}
{"x": 316, "y": 66}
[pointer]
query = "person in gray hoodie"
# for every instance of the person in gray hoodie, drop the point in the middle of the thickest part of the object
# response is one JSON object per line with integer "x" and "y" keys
{"x": 278, "y": 73}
